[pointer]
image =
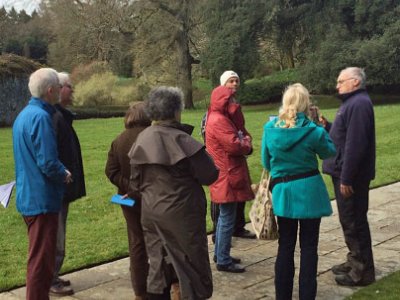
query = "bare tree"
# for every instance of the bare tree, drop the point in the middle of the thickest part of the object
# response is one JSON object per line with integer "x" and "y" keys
{"x": 167, "y": 42}
{"x": 84, "y": 31}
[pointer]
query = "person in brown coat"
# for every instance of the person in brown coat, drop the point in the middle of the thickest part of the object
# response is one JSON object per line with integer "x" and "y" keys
{"x": 168, "y": 169}
{"x": 118, "y": 171}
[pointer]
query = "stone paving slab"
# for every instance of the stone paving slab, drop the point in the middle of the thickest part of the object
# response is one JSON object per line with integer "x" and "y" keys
{"x": 112, "y": 280}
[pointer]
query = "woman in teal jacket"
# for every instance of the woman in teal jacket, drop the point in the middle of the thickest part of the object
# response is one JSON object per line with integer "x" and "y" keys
{"x": 290, "y": 145}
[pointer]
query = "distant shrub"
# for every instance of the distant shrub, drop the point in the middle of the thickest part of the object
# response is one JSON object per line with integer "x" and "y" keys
{"x": 107, "y": 89}
{"x": 125, "y": 94}
{"x": 84, "y": 72}
{"x": 96, "y": 91}
{"x": 267, "y": 89}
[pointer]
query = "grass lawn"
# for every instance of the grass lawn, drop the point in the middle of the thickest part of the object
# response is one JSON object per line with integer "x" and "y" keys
{"x": 388, "y": 288}
{"x": 96, "y": 228}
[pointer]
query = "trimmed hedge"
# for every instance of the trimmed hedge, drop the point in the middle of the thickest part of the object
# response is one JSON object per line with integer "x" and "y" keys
{"x": 268, "y": 89}
{"x": 99, "y": 112}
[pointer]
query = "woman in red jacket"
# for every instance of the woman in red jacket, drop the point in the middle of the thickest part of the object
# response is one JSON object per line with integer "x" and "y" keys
{"x": 228, "y": 146}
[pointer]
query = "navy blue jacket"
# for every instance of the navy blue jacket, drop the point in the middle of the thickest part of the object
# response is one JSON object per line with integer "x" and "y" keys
{"x": 353, "y": 133}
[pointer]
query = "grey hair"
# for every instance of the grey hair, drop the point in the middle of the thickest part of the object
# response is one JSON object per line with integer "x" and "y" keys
{"x": 41, "y": 80}
{"x": 163, "y": 103}
{"x": 63, "y": 77}
{"x": 357, "y": 73}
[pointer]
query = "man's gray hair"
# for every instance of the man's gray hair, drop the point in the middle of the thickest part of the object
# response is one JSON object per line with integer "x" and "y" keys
{"x": 164, "y": 102}
{"x": 41, "y": 80}
{"x": 63, "y": 77}
{"x": 357, "y": 73}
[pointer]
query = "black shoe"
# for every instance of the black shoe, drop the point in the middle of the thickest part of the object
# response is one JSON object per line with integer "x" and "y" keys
{"x": 63, "y": 282}
{"x": 234, "y": 260}
{"x": 346, "y": 280}
{"x": 341, "y": 269}
{"x": 245, "y": 234}
{"x": 231, "y": 268}
{"x": 60, "y": 291}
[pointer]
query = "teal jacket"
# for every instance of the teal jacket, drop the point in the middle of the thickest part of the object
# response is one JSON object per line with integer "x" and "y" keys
{"x": 290, "y": 151}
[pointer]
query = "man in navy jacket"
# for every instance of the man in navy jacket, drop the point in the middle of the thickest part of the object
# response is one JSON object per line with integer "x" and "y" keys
{"x": 352, "y": 169}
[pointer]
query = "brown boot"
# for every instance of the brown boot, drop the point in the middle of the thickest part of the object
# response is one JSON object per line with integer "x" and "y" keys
{"x": 175, "y": 291}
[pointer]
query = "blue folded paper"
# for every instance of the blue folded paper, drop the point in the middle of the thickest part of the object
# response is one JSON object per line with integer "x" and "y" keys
{"x": 117, "y": 199}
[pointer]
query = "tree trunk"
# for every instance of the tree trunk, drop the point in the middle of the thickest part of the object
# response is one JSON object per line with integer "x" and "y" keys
{"x": 184, "y": 68}
{"x": 184, "y": 65}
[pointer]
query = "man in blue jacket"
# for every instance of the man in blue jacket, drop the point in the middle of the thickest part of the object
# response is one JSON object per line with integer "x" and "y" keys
{"x": 40, "y": 178}
{"x": 352, "y": 169}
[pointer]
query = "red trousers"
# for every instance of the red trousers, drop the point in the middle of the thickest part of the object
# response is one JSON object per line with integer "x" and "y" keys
{"x": 42, "y": 235}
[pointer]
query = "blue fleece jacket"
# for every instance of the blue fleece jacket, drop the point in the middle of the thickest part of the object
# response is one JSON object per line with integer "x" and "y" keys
{"x": 39, "y": 173}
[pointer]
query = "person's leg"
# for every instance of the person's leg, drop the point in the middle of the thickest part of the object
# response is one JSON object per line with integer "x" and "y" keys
{"x": 214, "y": 209}
{"x": 284, "y": 265}
{"x": 240, "y": 223}
{"x": 309, "y": 235}
{"x": 366, "y": 271}
{"x": 166, "y": 295}
{"x": 61, "y": 234}
{"x": 42, "y": 234}
{"x": 225, "y": 227}
{"x": 353, "y": 219}
{"x": 139, "y": 266}
{"x": 240, "y": 219}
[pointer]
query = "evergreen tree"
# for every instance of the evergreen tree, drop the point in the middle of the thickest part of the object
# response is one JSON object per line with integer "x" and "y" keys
{"x": 233, "y": 29}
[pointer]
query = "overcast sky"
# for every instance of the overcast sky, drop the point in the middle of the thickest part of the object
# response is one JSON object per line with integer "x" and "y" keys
{"x": 28, "y": 5}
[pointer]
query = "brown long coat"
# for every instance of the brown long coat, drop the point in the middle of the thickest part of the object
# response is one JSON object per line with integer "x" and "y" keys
{"x": 169, "y": 168}
{"x": 118, "y": 170}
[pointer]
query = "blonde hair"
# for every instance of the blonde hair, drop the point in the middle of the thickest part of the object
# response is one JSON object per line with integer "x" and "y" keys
{"x": 296, "y": 99}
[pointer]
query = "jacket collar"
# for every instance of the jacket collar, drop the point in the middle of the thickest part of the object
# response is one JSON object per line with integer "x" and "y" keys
{"x": 346, "y": 96}
{"x": 65, "y": 112}
{"x": 175, "y": 124}
{"x": 43, "y": 104}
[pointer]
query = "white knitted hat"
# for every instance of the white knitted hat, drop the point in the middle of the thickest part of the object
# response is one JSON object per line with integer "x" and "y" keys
{"x": 226, "y": 75}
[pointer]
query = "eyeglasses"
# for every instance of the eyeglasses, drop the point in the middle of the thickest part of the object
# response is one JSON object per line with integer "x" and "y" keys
{"x": 233, "y": 80}
{"x": 344, "y": 80}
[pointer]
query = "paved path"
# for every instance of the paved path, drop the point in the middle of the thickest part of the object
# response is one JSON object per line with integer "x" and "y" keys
{"x": 111, "y": 281}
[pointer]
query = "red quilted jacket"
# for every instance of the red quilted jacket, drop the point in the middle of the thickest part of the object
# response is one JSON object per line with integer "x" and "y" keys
{"x": 228, "y": 149}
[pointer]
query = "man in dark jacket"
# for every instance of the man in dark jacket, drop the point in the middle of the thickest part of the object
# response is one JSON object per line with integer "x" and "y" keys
{"x": 352, "y": 169}
{"x": 69, "y": 152}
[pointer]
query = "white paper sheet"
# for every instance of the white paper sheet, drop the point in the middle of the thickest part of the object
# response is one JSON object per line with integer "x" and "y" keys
{"x": 5, "y": 193}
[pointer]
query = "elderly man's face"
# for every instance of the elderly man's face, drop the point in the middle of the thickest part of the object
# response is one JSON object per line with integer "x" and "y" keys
{"x": 346, "y": 83}
{"x": 53, "y": 94}
{"x": 66, "y": 94}
{"x": 233, "y": 83}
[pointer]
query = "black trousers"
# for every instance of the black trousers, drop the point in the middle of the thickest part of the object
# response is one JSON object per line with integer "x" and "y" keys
{"x": 353, "y": 219}
{"x": 240, "y": 219}
{"x": 284, "y": 265}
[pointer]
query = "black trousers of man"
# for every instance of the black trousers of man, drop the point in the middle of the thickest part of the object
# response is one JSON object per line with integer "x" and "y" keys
{"x": 353, "y": 218}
